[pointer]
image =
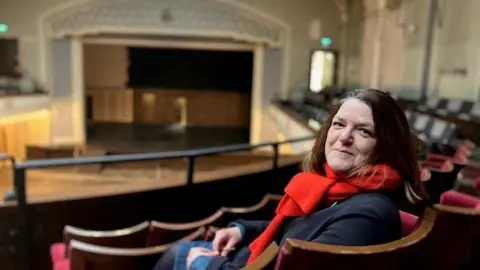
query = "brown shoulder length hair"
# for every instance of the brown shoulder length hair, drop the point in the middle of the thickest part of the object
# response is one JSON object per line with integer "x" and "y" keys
{"x": 394, "y": 146}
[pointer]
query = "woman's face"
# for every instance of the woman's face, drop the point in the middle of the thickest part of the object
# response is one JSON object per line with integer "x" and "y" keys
{"x": 351, "y": 138}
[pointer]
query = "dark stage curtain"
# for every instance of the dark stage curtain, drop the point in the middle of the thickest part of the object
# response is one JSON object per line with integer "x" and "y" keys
{"x": 190, "y": 69}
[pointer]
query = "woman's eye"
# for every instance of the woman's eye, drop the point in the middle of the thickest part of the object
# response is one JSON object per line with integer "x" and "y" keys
{"x": 337, "y": 124}
{"x": 365, "y": 132}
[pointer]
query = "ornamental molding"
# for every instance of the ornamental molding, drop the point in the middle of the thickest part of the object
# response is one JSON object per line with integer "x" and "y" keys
{"x": 218, "y": 19}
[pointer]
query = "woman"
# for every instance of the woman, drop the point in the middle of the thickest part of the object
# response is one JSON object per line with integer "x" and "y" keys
{"x": 362, "y": 157}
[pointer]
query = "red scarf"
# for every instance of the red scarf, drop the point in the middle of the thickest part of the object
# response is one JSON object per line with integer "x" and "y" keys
{"x": 306, "y": 190}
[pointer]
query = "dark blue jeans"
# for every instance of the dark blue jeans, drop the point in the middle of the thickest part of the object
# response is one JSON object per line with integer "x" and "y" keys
{"x": 175, "y": 258}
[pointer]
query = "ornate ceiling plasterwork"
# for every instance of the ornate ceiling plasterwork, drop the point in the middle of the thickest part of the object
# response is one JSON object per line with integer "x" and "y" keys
{"x": 197, "y": 18}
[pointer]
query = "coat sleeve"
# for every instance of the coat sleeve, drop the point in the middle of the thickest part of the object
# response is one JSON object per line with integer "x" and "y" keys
{"x": 251, "y": 229}
{"x": 360, "y": 227}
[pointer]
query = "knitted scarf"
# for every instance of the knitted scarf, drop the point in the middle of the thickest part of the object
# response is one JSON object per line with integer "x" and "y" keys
{"x": 306, "y": 190}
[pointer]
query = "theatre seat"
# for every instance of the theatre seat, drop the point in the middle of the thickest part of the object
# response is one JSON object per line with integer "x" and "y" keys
{"x": 409, "y": 223}
{"x": 264, "y": 260}
{"x": 62, "y": 265}
{"x": 135, "y": 236}
{"x": 162, "y": 232}
{"x": 93, "y": 257}
{"x": 454, "y": 198}
{"x": 468, "y": 180}
{"x": 297, "y": 254}
{"x": 267, "y": 258}
{"x": 58, "y": 252}
{"x": 454, "y": 235}
{"x": 85, "y": 256}
{"x": 470, "y": 172}
{"x": 442, "y": 178}
{"x": 264, "y": 210}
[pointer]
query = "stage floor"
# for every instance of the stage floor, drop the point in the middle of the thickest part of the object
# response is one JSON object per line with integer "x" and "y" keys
{"x": 119, "y": 137}
{"x": 69, "y": 184}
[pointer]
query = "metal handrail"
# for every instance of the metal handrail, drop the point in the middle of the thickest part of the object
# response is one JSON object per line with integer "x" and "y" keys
{"x": 60, "y": 162}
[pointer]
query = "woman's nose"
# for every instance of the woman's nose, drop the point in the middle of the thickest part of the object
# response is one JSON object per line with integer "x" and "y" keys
{"x": 346, "y": 136}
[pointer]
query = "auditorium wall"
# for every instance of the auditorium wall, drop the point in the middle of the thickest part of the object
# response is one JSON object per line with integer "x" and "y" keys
{"x": 24, "y": 20}
{"x": 456, "y": 55}
{"x": 388, "y": 44}
{"x": 23, "y": 17}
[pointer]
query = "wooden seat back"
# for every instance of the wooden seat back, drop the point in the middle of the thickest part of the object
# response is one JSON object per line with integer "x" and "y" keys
{"x": 297, "y": 254}
{"x": 264, "y": 210}
{"x": 452, "y": 239}
{"x": 162, "y": 232}
{"x": 265, "y": 260}
{"x": 93, "y": 257}
{"x": 86, "y": 256}
{"x": 135, "y": 236}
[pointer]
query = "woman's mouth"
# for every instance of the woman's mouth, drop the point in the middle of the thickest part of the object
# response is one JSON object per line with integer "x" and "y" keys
{"x": 344, "y": 152}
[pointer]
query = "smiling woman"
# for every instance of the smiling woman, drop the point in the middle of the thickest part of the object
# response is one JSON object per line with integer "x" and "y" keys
{"x": 351, "y": 138}
{"x": 362, "y": 130}
{"x": 350, "y": 180}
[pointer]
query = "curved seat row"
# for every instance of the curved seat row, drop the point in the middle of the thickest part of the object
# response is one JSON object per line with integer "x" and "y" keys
{"x": 453, "y": 223}
{"x": 444, "y": 237}
{"x": 150, "y": 238}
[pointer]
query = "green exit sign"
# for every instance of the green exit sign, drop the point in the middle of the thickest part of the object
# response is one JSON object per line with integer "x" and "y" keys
{"x": 326, "y": 41}
{"x": 3, "y": 28}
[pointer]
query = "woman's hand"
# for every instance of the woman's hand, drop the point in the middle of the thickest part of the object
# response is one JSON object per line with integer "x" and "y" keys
{"x": 198, "y": 251}
{"x": 226, "y": 239}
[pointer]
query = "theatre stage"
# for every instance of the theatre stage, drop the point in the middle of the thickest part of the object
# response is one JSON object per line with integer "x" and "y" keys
{"x": 118, "y": 137}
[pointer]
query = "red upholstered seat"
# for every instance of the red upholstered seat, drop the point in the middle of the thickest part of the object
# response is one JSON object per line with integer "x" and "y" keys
{"x": 409, "y": 223}
{"x": 63, "y": 264}
{"x": 425, "y": 174}
{"x": 470, "y": 172}
{"x": 454, "y": 198}
{"x": 57, "y": 252}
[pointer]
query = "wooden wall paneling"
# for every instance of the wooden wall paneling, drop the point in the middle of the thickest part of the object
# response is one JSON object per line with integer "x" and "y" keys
{"x": 18, "y": 132}
{"x": 204, "y": 108}
{"x": 3, "y": 142}
{"x": 152, "y": 106}
{"x": 97, "y": 105}
{"x": 112, "y": 105}
{"x": 22, "y": 138}
{"x": 129, "y": 106}
{"x": 16, "y": 139}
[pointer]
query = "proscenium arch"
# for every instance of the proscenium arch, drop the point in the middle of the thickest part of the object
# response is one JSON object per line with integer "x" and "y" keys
{"x": 227, "y": 20}
{"x": 224, "y": 21}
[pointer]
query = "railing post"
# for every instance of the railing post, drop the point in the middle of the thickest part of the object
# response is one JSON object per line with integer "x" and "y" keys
{"x": 191, "y": 169}
{"x": 24, "y": 233}
{"x": 275, "y": 156}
